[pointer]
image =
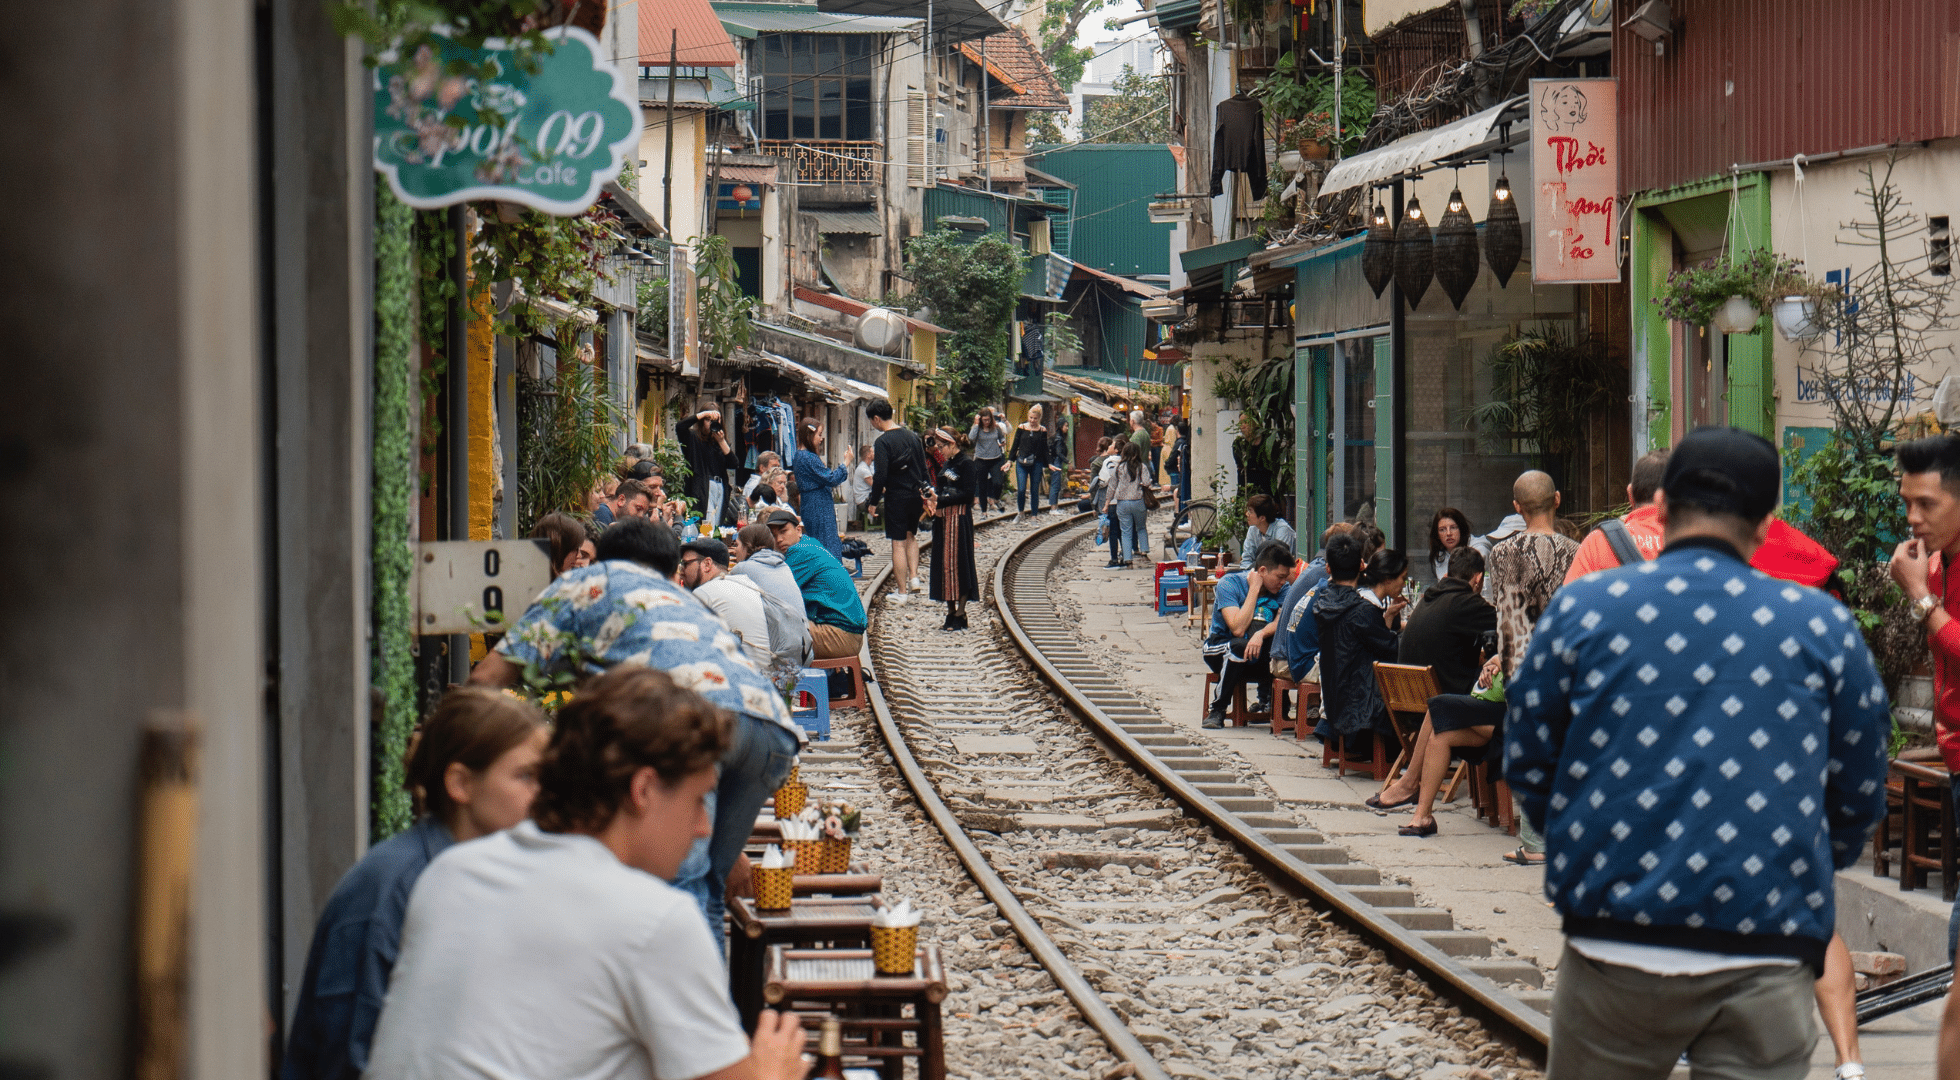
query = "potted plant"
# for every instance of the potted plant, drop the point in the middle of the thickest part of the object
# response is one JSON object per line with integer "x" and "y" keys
{"x": 1731, "y": 293}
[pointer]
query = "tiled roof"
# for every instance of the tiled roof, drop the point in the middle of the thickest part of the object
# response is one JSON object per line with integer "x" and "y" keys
{"x": 702, "y": 42}
{"x": 1013, "y": 61}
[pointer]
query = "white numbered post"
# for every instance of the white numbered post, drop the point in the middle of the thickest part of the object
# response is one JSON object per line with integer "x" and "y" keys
{"x": 473, "y": 586}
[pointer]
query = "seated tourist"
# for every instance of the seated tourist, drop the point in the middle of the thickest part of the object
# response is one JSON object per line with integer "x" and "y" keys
{"x": 757, "y": 559}
{"x": 1244, "y": 605}
{"x": 830, "y": 597}
{"x": 1442, "y": 635}
{"x": 555, "y": 948}
{"x": 1354, "y": 616}
{"x": 1296, "y": 644}
{"x": 1263, "y": 523}
{"x": 738, "y": 600}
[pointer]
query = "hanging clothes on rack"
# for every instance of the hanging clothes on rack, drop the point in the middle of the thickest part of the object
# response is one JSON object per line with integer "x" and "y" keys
{"x": 1240, "y": 144}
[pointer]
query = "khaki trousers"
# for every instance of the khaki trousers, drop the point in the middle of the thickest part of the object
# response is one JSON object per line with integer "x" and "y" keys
{"x": 834, "y": 642}
{"x": 1619, "y": 1023}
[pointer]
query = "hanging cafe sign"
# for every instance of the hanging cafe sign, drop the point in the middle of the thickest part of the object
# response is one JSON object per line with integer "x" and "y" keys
{"x": 453, "y": 124}
{"x": 1575, "y": 162}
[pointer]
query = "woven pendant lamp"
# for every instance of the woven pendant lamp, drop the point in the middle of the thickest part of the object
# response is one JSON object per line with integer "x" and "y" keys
{"x": 1415, "y": 256}
{"x": 1456, "y": 251}
{"x": 1378, "y": 251}
{"x": 1503, "y": 236}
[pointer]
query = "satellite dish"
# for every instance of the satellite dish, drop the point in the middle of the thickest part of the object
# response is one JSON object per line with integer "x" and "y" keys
{"x": 1946, "y": 401}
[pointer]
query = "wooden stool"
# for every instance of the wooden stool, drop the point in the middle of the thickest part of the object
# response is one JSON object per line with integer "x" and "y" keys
{"x": 1237, "y": 715}
{"x": 843, "y": 921}
{"x": 1889, "y": 826}
{"x": 857, "y": 698}
{"x": 817, "y": 983}
{"x": 1334, "y": 754}
{"x": 1926, "y": 842}
{"x": 1309, "y": 691}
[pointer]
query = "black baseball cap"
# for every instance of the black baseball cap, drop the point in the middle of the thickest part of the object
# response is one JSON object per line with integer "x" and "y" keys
{"x": 782, "y": 517}
{"x": 708, "y": 548}
{"x": 1726, "y": 470}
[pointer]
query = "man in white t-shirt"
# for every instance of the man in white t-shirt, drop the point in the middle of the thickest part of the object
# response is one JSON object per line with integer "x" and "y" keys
{"x": 555, "y": 949}
{"x": 738, "y": 600}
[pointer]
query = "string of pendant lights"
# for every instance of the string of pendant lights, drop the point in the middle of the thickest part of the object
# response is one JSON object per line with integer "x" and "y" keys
{"x": 1409, "y": 254}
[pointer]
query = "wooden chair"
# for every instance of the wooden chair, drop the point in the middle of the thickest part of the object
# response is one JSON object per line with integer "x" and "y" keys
{"x": 1406, "y": 690}
{"x": 1926, "y": 841}
{"x": 820, "y": 983}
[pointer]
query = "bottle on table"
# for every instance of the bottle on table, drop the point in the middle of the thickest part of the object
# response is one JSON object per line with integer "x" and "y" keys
{"x": 830, "y": 1052}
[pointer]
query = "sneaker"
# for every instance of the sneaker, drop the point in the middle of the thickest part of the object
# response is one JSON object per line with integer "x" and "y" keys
{"x": 916, "y": 584}
{"x": 898, "y": 596}
{"x": 1214, "y": 721}
{"x": 1116, "y": 566}
{"x": 1055, "y": 513}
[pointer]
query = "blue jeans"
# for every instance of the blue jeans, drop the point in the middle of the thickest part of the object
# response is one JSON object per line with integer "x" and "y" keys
{"x": 1027, "y": 486}
{"x": 1055, "y": 481}
{"x": 1130, "y": 514}
{"x": 757, "y": 762}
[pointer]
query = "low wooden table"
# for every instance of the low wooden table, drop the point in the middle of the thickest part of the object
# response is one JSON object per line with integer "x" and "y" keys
{"x": 837, "y": 921}
{"x": 1928, "y": 841}
{"x": 817, "y": 983}
{"x": 1201, "y": 595}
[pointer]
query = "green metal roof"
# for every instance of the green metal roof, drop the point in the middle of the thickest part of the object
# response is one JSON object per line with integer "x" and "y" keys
{"x": 1178, "y": 14}
{"x": 1109, "y": 224}
{"x": 748, "y": 20}
{"x": 1219, "y": 254}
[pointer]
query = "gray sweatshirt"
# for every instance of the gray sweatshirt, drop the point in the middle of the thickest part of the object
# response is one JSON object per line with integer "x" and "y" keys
{"x": 767, "y": 569}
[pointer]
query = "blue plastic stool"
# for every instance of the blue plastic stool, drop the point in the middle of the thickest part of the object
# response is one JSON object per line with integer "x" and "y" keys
{"x": 857, "y": 567}
{"x": 1173, "y": 594}
{"x": 814, "y": 719}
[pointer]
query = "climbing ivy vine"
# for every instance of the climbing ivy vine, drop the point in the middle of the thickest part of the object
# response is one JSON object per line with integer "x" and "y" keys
{"x": 394, "y": 454}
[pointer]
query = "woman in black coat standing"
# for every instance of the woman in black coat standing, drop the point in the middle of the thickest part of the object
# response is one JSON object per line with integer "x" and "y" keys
{"x": 1356, "y": 613}
{"x": 956, "y": 482}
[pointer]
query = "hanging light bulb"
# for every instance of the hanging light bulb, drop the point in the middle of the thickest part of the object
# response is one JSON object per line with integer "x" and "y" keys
{"x": 1456, "y": 251}
{"x": 1414, "y": 255}
{"x": 1378, "y": 251}
{"x": 1503, "y": 235}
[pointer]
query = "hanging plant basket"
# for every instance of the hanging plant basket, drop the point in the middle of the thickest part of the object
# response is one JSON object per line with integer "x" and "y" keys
{"x": 1456, "y": 251}
{"x": 1730, "y": 293}
{"x": 1503, "y": 234}
{"x": 1415, "y": 255}
{"x": 1796, "y": 318}
{"x": 1737, "y": 315}
{"x": 1378, "y": 252}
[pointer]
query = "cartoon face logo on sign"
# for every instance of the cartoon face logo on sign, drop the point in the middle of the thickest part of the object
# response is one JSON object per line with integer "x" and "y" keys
{"x": 547, "y": 138}
{"x": 1574, "y": 172}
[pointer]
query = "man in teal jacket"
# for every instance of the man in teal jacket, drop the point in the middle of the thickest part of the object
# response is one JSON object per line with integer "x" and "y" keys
{"x": 830, "y": 597}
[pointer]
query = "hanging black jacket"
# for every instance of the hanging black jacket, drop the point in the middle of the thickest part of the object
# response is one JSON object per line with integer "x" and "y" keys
{"x": 1240, "y": 144}
{"x": 1352, "y": 638}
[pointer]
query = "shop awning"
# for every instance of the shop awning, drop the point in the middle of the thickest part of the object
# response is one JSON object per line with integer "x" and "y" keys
{"x": 1424, "y": 147}
{"x": 812, "y": 380}
{"x": 952, "y": 20}
{"x": 853, "y": 389}
{"x": 846, "y": 222}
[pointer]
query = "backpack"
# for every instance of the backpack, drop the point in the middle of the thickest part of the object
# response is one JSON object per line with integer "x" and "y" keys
{"x": 790, "y": 646}
{"x": 1621, "y": 541}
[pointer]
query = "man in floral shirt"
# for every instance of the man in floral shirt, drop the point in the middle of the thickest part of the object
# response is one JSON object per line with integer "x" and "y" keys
{"x": 626, "y": 608}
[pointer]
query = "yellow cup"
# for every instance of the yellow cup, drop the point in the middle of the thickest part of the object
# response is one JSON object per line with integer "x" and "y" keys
{"x": 773, "y": 888}
{"x": 894, "y": 949}
{"x": 789, "y": 801}
{"x": 836, "y": 857}
{"x": 809, "y": 855}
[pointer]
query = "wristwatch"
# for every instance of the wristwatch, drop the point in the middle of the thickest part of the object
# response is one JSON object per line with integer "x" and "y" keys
{"x": 1924, "y": 607}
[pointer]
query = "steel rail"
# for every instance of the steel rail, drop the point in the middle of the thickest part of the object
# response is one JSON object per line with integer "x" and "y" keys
{"x": 1527, "y": 1029}
{"x": 1124, "y": 1044}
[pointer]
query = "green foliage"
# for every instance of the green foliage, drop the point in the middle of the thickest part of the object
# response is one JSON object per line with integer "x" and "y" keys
{"x": 565, "y": 445}
{"x": 1849, "y": 502}
{"x": 1264, "y": 391}
{"x": 1137, "y": 111}
{"x": 972, "y": 289}
{"x": 1058, "y": 336}
{"x": 435, "y": 245}
{"x": 1045, "y": 129}
{"x": 405, "y": 25}
{"x": 652, "y": 318}
{"x": 392, "y": 664}
{"x": 1228, "y": 524}
{"x": 547, "y": 256}
{"x": 1288, "y": 94}
{"x": 1547, "y": 385}
{"x": 1059, "y": 21}
{"x": 1693, "y": 295}
{"x": 723, "y": 309}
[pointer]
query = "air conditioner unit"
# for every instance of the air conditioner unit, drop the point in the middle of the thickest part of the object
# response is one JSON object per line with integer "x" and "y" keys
{"x": 1163, "y": 311}
{"x": 1169, "y": 213}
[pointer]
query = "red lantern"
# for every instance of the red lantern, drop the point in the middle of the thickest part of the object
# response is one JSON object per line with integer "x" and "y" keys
{"x": 742, "y": 193}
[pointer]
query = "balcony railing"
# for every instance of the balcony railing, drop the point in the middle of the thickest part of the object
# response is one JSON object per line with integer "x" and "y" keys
{"x": 824, "y": 162}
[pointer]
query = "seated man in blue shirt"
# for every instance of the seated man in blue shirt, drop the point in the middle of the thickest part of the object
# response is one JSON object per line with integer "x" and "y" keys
{"x": 1243, "y": 608}
{"x": 1297, "y": 641}
{"x": 837, "y": 619}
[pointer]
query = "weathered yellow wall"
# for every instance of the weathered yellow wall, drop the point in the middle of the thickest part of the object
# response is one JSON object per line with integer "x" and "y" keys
{"x": 483, "y": 417}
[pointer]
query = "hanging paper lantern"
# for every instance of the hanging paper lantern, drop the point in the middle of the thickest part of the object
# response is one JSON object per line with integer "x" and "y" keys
{"x": 742, "y": 193}
{"x": 1456, "y": 251}
{"x": 1378, "y": 252}
{"x": 1503, "y": 236}
{"x": 1415, "y": 255}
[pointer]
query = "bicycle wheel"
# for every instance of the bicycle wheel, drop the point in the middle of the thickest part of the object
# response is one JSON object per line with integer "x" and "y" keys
{"x": 1195, "y": 520}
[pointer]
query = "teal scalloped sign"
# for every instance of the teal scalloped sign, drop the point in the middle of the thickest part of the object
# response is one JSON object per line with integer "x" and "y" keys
{"x": 547, "y": 139}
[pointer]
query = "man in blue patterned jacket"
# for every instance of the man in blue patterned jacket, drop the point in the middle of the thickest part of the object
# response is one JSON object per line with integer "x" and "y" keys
{"x": 1704, "y": 745}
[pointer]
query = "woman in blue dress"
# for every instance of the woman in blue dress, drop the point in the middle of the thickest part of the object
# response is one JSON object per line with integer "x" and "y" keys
{"x": 814, "y": 482}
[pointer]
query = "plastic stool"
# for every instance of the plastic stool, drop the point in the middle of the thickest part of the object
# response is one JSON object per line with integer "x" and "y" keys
{"x": 1173, "y": 594}
{"x": 857, "y": 698}
{"x": 857, "y": 567}
{"x": 813, "y": 684}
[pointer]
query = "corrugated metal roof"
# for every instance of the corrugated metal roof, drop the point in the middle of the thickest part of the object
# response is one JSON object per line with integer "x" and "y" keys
{"x": 1763, "y": 80}
{"x": 1109, "y": 217}
{"x": 952, "y": 20}
{"x": 803, "y": 18}
{"x": 1421, "y": 148}
{"x": 702, "y": 41}
{"x": 846, "y": 222}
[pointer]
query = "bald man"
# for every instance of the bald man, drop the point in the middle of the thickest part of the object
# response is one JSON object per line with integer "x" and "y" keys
{"x": 1520, "y": 578}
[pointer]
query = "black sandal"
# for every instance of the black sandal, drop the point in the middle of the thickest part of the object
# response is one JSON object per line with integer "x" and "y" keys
{"x": 1521, "y": 857}
{"x": 1374, "y": 802}
{"x": 1418, "y": 830}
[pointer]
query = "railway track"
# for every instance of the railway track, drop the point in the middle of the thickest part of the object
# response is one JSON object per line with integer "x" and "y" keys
{"x": 1106, "y": 914}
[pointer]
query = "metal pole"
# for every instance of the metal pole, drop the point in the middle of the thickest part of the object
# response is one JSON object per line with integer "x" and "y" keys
{"x": 986, "y": 123}
{"x": 1338, "y": 45}
{"x": 932, "y": 105}
{"x": 1398, "y": 406}
{"x": 667, "y": 182}
{"x": 458, "y": 421}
